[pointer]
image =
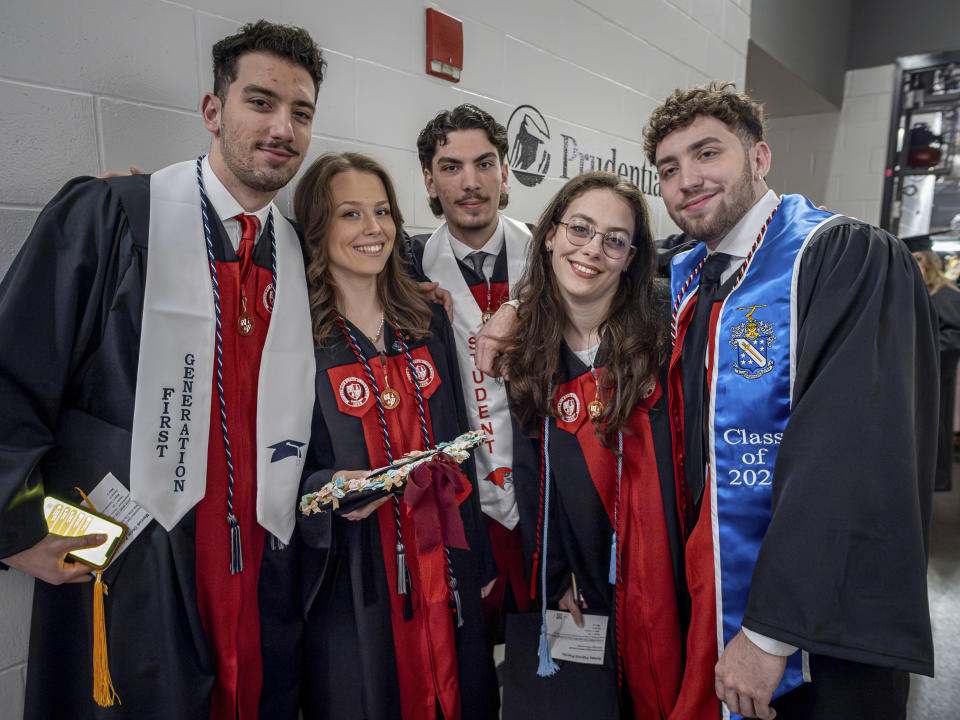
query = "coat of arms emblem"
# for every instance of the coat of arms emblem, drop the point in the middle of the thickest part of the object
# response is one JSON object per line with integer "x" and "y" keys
{"x": 752, "y": 339}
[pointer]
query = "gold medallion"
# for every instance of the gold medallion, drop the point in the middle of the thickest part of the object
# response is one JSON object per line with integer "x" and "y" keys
{"x": 245, "y": 324}
{"x": 390, "y": 398}
{"x": 486, "y": 316}
{"x": 595, "y": 409}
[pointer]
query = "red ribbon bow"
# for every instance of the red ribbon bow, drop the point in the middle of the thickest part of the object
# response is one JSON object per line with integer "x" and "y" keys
{"x": 431, "y": 494}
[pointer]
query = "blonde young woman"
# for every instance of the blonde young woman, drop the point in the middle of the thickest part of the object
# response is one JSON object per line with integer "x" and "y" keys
{"x": 946, "y": 298}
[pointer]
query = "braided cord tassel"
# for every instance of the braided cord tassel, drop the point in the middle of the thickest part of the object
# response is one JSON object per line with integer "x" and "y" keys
{"x": 547, "y": 666}
{"x": 454, "y": 594}
{"x": 617, "y": 550}
{"x": 403, "y": 572}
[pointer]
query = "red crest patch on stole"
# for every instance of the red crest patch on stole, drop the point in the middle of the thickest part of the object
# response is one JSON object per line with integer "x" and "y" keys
{"x": 268, "y": 296}
{"x": 425, "y": 372}
{"x": 568, "y": 407}
{"x": 354, "y": 392}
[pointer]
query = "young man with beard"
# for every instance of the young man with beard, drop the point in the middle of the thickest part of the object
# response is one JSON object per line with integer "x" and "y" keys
{"x": 143, "y": 352}
{"x": 805, "y": 366}
{"x": 804, "y": 382}
{"x": 478, "y": 255}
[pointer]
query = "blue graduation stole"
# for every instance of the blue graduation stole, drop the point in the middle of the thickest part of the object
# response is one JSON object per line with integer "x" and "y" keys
{"x": 752, "y": 388}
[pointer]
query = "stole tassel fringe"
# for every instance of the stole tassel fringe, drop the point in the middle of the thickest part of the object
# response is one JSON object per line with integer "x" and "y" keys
{"x": 403, "y": 583}
{"x": 401, "y": 570}
{"x": 236, "y": 553}
{"x": 103, "y": 691}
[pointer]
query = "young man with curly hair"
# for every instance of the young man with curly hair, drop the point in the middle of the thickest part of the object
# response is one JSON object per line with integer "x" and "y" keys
{"x": 804, "y": 377}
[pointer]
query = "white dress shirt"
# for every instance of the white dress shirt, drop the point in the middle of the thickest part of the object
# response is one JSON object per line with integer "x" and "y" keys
{"x": 227, "y": 206}
{"x": 740, "y": 239}
{"x": 492, "y": 247}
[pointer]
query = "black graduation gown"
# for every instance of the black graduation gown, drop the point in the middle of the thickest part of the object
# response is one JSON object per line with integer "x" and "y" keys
{"x": 841, "y": 572}
{"x": 947, "y": 302}
{"x": 580, "y": 528}
{"x": 350, "y": 656}
{"x": 70, "y": 318}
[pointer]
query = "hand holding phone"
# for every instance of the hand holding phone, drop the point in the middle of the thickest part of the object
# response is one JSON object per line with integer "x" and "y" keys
{"x": 45, "y": 560}
{"x": 69, "y": 520}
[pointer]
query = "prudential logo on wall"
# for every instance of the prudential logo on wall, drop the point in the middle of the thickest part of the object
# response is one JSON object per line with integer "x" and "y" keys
{"x": 536, "y": 154}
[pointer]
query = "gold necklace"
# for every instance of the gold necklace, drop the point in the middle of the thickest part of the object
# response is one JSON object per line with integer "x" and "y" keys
{"x": 374, "y": 339}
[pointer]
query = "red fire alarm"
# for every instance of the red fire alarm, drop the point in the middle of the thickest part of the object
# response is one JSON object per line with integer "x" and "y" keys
{"x": 444, "y": 46}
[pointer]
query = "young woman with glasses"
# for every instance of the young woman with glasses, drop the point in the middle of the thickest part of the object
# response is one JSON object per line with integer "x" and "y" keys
{"x": 594, "y": 471}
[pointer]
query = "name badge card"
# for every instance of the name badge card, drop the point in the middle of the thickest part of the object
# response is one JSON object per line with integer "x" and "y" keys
{"x": 569, "y": 642}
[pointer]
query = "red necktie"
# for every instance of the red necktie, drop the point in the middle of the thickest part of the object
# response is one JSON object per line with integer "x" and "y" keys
{"x": 248, "y": 237}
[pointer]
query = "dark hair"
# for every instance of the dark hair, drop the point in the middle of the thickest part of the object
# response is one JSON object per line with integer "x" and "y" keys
{"x": 632, "y": 338}
{"x": 313, "y": 208}
{"x": 737, "y": 110}
{"x": 290, "y": 43}
{"x": 462, "y": 117}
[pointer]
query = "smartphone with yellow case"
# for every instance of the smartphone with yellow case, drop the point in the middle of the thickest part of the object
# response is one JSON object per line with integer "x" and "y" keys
{"x": 65, "y": 518}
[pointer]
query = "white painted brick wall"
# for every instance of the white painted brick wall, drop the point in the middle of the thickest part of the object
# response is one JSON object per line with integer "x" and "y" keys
{"x": 838, "y": 158}
{"x": 105, "y": 84}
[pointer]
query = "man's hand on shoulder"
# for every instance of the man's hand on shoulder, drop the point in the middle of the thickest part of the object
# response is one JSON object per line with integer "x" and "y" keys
{"x": 114, "y": 173}
{"x": 746, "y": 676}
{"x": 432, "y": 292}
{"x": 47, "y": 559}
{"x": 492, "y": 340}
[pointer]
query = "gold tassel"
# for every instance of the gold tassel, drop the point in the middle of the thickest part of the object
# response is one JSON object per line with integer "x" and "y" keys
{"x": 103, "y": 692}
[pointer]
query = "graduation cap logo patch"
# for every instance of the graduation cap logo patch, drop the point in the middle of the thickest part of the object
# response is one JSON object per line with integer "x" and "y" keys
{"x": 752, "y": 340}
{"x": 285, "y": 449}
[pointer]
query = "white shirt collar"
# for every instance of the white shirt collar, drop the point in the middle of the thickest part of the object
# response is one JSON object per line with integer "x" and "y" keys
{"x": 227, "y": 206}
{"x": 492, "y": 246}
{"x": 740, "y": 239}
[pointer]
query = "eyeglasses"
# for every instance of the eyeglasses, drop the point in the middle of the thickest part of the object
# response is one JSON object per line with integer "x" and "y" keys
{"x": 615, "y": 244}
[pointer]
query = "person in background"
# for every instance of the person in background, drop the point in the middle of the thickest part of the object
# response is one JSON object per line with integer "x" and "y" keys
{"x": 394, "y": 629}
{"x": 946, "y": 298}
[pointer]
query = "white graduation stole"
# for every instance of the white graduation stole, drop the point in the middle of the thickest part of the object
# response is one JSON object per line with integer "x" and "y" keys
{"x": 485, "y": 397}
{"x": 171, "y": 419}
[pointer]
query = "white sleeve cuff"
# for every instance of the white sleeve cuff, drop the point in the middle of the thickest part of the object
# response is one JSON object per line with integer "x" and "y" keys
{"x": 515, "y": 304}
{"x": 768, "y": 644}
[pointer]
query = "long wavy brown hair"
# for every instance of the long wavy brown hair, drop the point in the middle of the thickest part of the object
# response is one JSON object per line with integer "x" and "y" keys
{"x": 313, "y": 209}
{"x": 632, "y": 339}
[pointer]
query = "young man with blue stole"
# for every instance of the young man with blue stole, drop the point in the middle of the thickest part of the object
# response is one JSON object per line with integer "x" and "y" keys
{"x": 803, "y": 384}
{"x": 157, "y": 343}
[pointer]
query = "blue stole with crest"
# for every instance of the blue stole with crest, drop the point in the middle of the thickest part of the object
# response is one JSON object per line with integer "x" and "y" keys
{"x": 752, "y": 388}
